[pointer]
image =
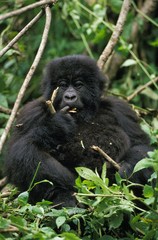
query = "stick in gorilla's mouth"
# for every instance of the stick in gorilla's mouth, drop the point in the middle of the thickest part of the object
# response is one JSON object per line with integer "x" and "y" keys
{"x": 68, "y": 109}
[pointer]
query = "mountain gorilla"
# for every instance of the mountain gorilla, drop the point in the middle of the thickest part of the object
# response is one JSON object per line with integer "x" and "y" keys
{"x": 62, "y": 141}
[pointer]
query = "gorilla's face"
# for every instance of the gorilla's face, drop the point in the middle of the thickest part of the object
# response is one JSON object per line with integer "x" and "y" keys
{"x": 80, "y": 84}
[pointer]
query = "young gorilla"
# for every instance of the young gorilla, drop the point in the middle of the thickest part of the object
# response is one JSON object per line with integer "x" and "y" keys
{"x": 63, "y": 140}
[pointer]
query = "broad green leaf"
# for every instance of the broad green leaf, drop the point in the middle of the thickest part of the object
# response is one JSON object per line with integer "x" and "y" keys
{"x": 151, "y": 161}
{"x": 38, "y": 210}
{"x": 148, "y": 191}
{"x": 90, "y": 175}
{"x": 23, "y": 198}
{"x": 144, "y": 163}
{"x": 60, "y": 221}
{"x": 116, "y": 220}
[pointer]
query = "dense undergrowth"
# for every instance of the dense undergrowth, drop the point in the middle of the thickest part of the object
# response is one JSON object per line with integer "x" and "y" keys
{"x": 105, "y": 211}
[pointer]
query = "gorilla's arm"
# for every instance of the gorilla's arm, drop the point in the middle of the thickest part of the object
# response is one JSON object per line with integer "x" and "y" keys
{"x": 139, "y": 141}
{"x": 38, "y": 133}
{"x": 44, "y": 129}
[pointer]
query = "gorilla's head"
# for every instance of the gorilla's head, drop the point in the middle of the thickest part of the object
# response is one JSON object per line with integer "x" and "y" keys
{"x": 79, "y": 80}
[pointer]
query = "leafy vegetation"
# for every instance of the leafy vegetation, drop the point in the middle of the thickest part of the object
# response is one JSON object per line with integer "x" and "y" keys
{"x": 106, "y": 211}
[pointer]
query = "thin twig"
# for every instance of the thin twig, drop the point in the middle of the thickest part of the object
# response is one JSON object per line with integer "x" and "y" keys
{"x": 115, "y": 35}
{"x": 27, "y": 8}
{"x": 50, "y": 103}
{"x": 50, "y": 106}
{"x": 28, "y": 77}
{"x": 21, "y": 33}
{"x": 54, "y": 95}
{"x": 106, "y": 156}
{"x": 5, "y": 110}
{"x": 141, "y": 88}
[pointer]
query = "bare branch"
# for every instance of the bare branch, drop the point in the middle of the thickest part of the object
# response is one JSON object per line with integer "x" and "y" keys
{"x": 51, "y": 102}
{"x": 115, "y": 35}
{"x": 54, "y": 95}
{"x": 21, "y": 33}
{"x": 141, "y": 88}
{"x": 50, "y": 106}
{"x": 27, "y": 8}
{"x": 28, "y": 77}
{"x": 106, "y": 156}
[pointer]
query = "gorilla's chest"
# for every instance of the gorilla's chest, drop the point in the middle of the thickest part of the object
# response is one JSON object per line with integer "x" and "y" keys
{"x": 78, "y": 151}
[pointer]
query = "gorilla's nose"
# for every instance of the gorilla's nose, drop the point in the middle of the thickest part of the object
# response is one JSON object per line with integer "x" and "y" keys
{"x": 70, "y": 97}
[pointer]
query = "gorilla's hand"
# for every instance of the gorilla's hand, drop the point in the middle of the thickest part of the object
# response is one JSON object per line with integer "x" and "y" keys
{"x": 64, "y": 126}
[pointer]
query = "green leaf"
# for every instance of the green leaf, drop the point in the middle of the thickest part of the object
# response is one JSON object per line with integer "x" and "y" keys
{"x": 151, "y": 161}
{"x": 148, "y": 191}
{"x": 129, "y": 62}
{"x": 18, "y": 221}
{"x": 60, "y": 221}
{"x": 23, "y": 198}
{"x": 4, "y": 223}
{"x": 90, "y": 175}
{"x": 103, "y": 174}
{"x": 38, "y": 210}
{"x": 70, "y": 236}
{"x": 116, "y": 220}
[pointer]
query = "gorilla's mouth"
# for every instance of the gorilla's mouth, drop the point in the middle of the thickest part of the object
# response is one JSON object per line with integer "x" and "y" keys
{"x": 72, "y": 110}
{"x": 68, "y": 109}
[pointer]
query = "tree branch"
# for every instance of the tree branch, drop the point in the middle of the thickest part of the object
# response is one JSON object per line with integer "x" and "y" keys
{"x": 148, "y": 7}
{"x": 21, "y": 33}
{"x": 106, "y": 156}
{"x": 28, "y": 77}
{"x": 115, "y": 35}
{"x": 51, "y": 102}
{"x": 27, "y": 8}
{"x": 141, "y": 88}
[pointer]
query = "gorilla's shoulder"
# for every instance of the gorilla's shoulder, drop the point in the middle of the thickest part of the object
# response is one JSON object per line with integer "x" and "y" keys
{"x": 32, "y": 112}
{"x": 119, "y": 107}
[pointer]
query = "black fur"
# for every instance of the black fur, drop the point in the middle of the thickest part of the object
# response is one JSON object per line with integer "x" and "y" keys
{"x": 63, "y": 141}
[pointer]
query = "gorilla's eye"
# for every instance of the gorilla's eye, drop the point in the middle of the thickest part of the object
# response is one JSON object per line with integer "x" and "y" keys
{"x": 78, "y": 84}
{"x": 63, "y": 84}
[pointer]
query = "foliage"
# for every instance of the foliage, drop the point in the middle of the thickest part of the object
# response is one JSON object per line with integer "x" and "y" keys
{"x": 107, "y": 211}
{"x": 78, "y": 27}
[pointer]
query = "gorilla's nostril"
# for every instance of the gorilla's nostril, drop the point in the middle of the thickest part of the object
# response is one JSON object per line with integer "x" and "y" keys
{"x": 70, "y": 97}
